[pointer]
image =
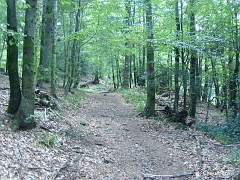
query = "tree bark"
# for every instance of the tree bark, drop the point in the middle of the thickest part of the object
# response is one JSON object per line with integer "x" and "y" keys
{"x": 54, "y": 52}
{"x": 25, "y": 115}
{"x": 206, "y": 82}
{"x": 69, "y": 47}
{"x": 126, "y": 73}
{"x": 150, "y": 103}
{"x": 12, "y": 59}
{"x": 234, "y": 81}
{"x": 184, "y": 69}
{"x": 177, "y": 57}
{"x": 41, "y": 73}
{"x": 193, "y": 66}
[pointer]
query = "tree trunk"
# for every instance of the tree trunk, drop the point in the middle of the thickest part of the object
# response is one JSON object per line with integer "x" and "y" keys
{"x": 69, "y": 47}
{"x": 41, "y": 73}
{"x": 177, "y": 56}
{"x": 206, "y": 83}
{"x": 12, "y": 59}
{"x": 113, "y": 73}
{"x": 118, "y": 70}
{"x": 199, "y": 79}
{"x": 54, "y": 52}
{"x": 234, "y": 82}
{"x": 215, "y": 82}
{"x": 126, "y": 73}
{"x": 184, "y": 70}
{"x": 193, "y": 66}
{"x": 150, "y": 103}
{"x": 25, "y": 114}
{"x": 48, "y": 43}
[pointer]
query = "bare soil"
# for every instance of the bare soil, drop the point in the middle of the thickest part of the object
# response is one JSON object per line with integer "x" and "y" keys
{"x": 100, "y": 136}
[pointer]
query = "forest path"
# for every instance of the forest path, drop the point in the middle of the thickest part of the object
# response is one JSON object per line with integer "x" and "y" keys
{"x": 101, "y": 137}
{"x": 116, "y": 133}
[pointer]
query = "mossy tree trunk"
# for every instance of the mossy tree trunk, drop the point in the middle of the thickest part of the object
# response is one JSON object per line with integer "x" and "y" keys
{"x": 40, "y": 76}
{"x": 126, "y": 71}
{"x": 193, "y": 66}
{"x": 54, "y": 52}
{"x": 25, "y": 115}
{"x": 12, "y": 59}
{"x": 234, "y": 68}
{"x": 177, "y": 57}
{"x": 47, "y": 50}
{"x": 150, "y": 103}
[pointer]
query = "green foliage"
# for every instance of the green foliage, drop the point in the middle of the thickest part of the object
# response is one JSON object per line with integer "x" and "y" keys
{"x": 98, "y": 89}
{"x": 136, "y": 97}
{"x": 70, "y": 133}
{"x": 15, "y": 125}
{"x": 226, "y": 132}
{"x": 234, "y": 157}
{"x": 181, "y": 126}
{"x": 75, "y": 99}
{"x": 47, "y": 139}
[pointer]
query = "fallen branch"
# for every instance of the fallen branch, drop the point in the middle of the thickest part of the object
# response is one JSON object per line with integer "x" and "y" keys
{"x": 85, "y": 84}
{"x": 80, "y": 166}
{"x": 199, "y": 150}
{"x": 19, "y": 150}
{"x": 55, "y": 174}
{"x": 4, "y": 88}
{"x": 154, "y": 176}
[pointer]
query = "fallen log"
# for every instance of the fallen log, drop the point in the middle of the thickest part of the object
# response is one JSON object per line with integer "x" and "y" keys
{"x": 85, "y": 84}
{"x": 44, "y": 99}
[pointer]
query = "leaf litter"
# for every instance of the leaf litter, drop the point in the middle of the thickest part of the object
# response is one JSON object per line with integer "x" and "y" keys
{"x": 103, "y": 138}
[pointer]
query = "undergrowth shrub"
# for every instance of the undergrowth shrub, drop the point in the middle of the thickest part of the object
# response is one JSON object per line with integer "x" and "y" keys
{"x": 226, "y": 132}
{"x": 75, "y": 99}
{"x": 47, "y": 139}
{"x": 136, "y": 97}
{"x": 234, "y": 157}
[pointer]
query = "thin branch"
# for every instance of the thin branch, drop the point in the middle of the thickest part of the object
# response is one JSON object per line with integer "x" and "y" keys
{"x": 154, "y": 176}
{"x": 80, "y": 166}
{"x": 55, "y": 174}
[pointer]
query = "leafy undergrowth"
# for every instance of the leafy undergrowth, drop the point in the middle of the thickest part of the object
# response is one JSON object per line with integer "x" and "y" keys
{"x": 99, "y": 136}
{"x": 136, "y": 97}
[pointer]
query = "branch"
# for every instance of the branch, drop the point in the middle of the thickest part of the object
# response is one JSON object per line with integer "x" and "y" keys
{"x": 199, "y": 150}
{"x": 154, "y": 176}
{"x": 80, "y": 166}
{"x": 55, "y": 174}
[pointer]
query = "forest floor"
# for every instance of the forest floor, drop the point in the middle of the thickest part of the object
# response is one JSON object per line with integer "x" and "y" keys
{"x": 100, "y": 136}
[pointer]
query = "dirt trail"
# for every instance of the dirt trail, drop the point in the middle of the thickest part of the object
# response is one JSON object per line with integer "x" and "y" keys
{"x": 121, "y": 145}
{"x": 102, "y": 138}
{"x": 117, "y": 133}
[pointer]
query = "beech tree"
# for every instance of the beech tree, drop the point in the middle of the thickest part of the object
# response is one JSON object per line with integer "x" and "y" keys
{"x": 177, "y": 57}
{"x": 150, "y": 103}
{"x": 25, "y": 114}
{"x": 193, "y": 64}
{"x": 195, "y": 52}
{"x": 126, "y": 73}
{"x": 46, "y": 42}
{"x": 12, "y": 58}
{"x": 234, "y": 53}
{"x": 54, "y": 51}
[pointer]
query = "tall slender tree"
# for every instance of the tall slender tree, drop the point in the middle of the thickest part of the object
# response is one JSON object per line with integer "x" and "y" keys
{"x": 234, "y": 71}
{"x": 177, "y": 57}
{"x": 54, "y": 52}
{"x": 47, "y": 42}
{"x": 150, "y": 103}
{"x": 12, "y": 58}
{"x": 25, "y": 114}
{"x": 127, "y": 65}
{"x": 193, "y": 64}
{"x": 68, "y": 60}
